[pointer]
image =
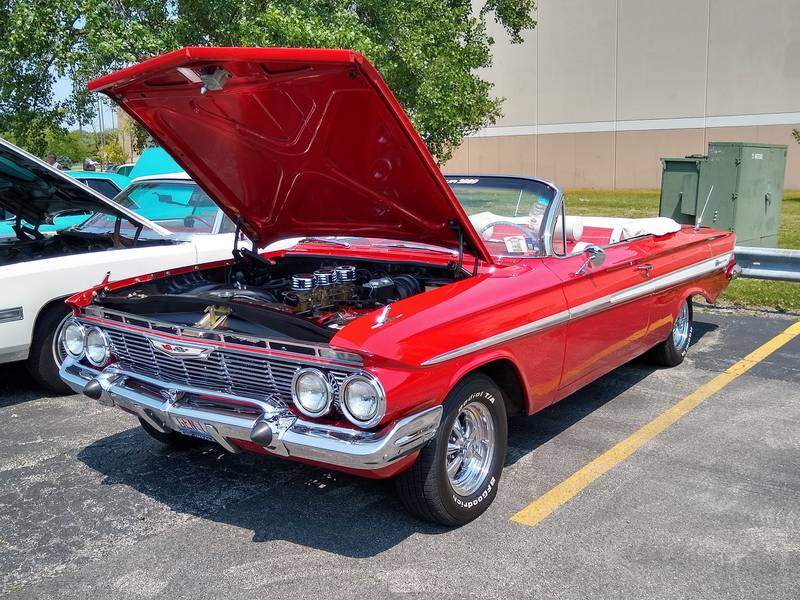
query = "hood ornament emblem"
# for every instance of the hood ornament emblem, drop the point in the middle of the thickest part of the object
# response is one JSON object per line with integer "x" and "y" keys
{"x": 181, "y": 351}
{"x": 383, "y": 317}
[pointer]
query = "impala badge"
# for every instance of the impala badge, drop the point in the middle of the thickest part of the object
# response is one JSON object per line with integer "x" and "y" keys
{"x": 176, "y": 351}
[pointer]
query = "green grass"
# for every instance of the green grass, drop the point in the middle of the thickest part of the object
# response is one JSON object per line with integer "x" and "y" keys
{"x": 782, "y": 296}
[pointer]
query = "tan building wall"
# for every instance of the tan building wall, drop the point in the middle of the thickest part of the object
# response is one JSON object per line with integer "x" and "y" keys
{"x": 124, "y": 136}
{"x": 602, "y": 89}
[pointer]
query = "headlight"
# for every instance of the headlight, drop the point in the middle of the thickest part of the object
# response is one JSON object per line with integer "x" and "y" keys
{"x": 72, "y": 338}
{"x": 363, "y": 401}
{"x": 311, "y": 392}
{"x": 97, "y": 347}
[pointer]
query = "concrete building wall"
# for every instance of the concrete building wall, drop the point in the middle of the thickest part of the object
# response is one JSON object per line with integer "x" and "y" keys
{"x": 602, "y": 89}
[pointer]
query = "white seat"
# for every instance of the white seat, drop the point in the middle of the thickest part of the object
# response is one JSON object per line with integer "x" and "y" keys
{"x": 625, "y": 229}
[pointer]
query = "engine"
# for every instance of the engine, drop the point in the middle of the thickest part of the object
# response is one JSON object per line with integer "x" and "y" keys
{"x": 332, "y": 296}
{"x": 326, "y": 293}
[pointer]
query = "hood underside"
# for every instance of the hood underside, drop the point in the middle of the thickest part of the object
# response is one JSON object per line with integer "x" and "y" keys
{"x": 34, "y": 192}
{"x": 294, "y": 142}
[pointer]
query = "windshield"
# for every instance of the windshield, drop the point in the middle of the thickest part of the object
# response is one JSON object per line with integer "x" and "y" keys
{"x": 507, "y": 212}
{"x": 180, "y": 206}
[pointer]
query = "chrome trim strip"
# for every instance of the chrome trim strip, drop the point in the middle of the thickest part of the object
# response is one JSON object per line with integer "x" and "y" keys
{"x": 8, "y": 315}
{"x": 520, "y": 331}
{"x": 589, "y": 308}
{"x": 675, "y": 277}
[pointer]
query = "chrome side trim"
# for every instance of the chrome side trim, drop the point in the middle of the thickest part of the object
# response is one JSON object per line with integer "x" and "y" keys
{"x": 680, "y": 276}
{"x": 7, "y": 315}
{"x": 589, "y": 308}
{"x": 520, "y": 331}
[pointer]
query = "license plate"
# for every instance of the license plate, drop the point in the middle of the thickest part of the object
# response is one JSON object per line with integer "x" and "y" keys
{"x": 192, "y": 428}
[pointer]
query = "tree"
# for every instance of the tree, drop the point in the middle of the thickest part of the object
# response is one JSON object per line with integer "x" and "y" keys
{"x": 427, "y": 50}
{"x": 112, "y": 153}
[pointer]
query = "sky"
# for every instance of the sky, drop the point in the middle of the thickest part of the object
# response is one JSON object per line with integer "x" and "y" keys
{"x": 63, "y": 88}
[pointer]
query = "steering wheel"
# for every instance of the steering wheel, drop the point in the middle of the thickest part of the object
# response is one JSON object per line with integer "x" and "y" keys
{"x": 190, "y": 218}
{"x": 527, "y": 232}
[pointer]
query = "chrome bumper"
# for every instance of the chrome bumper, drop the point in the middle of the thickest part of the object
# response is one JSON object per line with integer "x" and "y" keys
{"x": 277, "y": 430}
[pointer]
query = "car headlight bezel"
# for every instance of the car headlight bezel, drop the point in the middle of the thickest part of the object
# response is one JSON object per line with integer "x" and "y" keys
{"x": 311, "y": 372}
{"x": 380, "y": 400}
{"x": 81, "y": 338}
{"x": 106, "y": 346}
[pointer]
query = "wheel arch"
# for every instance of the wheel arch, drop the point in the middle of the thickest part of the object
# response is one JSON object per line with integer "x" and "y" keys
{"x": 46, "y": 307}
{"x": 689, "y": 293}
{"x": 503, "y": 370}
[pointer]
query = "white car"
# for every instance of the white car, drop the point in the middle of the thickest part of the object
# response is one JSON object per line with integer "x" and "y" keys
{"x": 157, "y": 223}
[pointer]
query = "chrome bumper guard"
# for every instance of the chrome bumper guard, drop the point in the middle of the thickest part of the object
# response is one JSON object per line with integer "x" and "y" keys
{"x": 278, "y": 430}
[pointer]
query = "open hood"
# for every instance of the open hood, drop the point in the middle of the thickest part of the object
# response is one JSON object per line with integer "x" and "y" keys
{"x": 294, "y": 142}
{"x": 36, "y": 193}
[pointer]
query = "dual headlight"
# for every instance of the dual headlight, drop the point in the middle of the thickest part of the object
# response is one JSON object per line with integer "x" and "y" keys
{"x": 361, "y": 398}
{"x": 81, "y": 342}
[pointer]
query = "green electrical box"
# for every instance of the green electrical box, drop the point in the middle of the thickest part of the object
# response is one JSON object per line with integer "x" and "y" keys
{"x": 747, "y": 182}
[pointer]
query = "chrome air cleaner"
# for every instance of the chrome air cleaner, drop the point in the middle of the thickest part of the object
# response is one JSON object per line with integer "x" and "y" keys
{"x": 303, "y": 282}
{"x": 345, "y": 274}
{"x": 324, "y": 277}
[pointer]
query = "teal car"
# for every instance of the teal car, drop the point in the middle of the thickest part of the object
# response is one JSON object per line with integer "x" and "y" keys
{"x": 173, "y": 201}
{"x": 154, "y": 161}
{"x": 108, "y": 184}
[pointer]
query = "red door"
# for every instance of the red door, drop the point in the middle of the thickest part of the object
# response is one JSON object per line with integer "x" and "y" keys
{"x": 610, "y": 311}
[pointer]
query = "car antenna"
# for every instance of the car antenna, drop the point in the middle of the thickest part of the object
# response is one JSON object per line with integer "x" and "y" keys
{"x": 702, "y": 212}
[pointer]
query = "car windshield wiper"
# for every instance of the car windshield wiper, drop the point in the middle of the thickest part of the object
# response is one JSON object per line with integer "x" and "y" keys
{"x": 321, "y": 240}
{"x": 415, "y": 247}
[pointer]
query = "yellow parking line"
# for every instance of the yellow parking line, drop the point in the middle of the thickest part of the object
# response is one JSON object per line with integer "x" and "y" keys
{"x": 567, "y": 489}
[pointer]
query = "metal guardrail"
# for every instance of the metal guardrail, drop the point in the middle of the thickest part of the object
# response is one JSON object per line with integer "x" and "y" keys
{"x": 775, "y": 264}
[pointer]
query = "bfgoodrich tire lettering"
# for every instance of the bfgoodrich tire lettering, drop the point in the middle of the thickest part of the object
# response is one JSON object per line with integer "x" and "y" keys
{"x": 427, "y": 490}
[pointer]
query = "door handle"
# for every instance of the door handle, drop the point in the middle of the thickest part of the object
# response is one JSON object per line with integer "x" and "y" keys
{"x": 645, "y": 270}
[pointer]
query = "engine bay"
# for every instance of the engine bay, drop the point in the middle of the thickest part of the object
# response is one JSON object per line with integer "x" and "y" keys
{"x": 305, "y": 298}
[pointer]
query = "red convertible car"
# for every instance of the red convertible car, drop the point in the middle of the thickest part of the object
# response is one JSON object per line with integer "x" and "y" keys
{"x": 398, "y": 317}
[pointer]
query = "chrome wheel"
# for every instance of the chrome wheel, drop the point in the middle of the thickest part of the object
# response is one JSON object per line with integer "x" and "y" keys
{"x": 681, "y": 330}
{"x": 470, "y": 448}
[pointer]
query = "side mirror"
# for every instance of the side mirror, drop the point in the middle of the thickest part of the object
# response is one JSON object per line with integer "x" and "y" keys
{"x": 595, "y": 257}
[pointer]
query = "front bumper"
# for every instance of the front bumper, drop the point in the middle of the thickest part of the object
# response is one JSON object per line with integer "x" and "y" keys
{"x": 277, "y": 430}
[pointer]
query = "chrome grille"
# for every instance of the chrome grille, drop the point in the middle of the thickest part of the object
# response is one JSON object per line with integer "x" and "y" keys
{"x": 227, "y": 371}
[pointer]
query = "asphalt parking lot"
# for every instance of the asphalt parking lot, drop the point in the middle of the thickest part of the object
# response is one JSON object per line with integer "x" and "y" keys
{"x": 90, "y": 507}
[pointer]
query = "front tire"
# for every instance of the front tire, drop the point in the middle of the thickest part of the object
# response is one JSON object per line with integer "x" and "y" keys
{"x": 456, "y": 475}
{"x": 672, "y": 351}
{"x": 46, "y": 353}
